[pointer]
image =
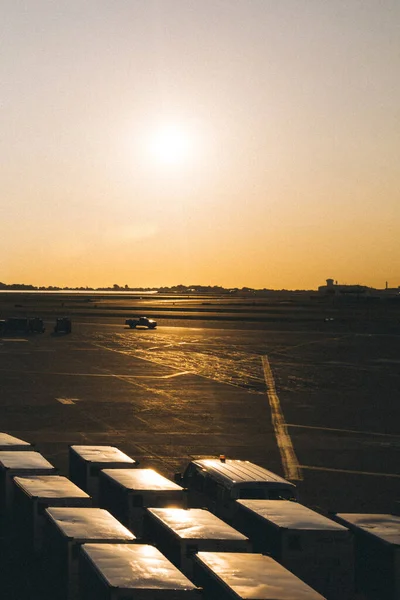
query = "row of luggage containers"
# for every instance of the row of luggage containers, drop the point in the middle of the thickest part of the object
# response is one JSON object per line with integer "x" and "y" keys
{"x": 133, "y": 547}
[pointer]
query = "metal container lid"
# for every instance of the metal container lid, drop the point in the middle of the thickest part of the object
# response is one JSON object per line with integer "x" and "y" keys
{"x": 141, "y": 479}
{"x": 7, "y": 440}
{"x": 234, "y": 472}
{"x": 20, "y": 460}
{"x": 196, "y": 523}
{"x": 382, "y": 526}
{"x": 256, "y": 577}
{"x": 102, "y": 454}
{"x": 90, "y": 524}
{"x": 136, "y": 566}
{"x": 49, "y": 486}
{"x": 290, "y": 515}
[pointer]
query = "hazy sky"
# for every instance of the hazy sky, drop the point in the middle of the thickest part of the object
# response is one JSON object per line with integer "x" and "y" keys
{"x": 223, "y": 142}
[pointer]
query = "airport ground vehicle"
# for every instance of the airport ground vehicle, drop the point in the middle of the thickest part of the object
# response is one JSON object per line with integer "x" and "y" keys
{"x": 131, "y": 572}
{"x": 22, "y": 325}
{"x": 126, "y": 493}
{"x": 63, "y": 325}
{"x": 377, "y": 553}
{"x": 217, "y": 482}
{"x": 240, "y": 576}
{"x": 180, "y": 533}
{"x": 141, "y": 322}
{"x": 316, "y": 549}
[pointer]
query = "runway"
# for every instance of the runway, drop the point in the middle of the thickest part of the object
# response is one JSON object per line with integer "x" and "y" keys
{"x": 167, "y": 395}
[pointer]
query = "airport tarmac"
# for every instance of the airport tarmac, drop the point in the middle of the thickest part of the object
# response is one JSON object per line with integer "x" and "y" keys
{"x": 317, "y": 404}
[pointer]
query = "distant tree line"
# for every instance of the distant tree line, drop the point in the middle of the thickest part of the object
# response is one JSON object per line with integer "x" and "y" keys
{"x": 175, "y": 289}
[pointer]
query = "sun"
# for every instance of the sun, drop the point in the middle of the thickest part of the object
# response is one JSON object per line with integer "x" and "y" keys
{"x": 170, "y": 145}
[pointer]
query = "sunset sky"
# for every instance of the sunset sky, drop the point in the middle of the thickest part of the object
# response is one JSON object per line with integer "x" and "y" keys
{"x": 216, "y": 142}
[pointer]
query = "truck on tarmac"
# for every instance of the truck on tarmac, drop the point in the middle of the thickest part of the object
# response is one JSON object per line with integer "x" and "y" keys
{"x": 63, "y": 325}
{"x": 21, "y": 325}
{"x": 141, "y": 322}
{"x": 217, "y": 482}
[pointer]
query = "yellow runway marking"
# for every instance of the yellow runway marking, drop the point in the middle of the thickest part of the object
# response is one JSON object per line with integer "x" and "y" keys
{"x": 290, "y": 463}
{"x": 67, "y": 400}
{"x": 353, "y": 431}
{"x": 350, "y": 472}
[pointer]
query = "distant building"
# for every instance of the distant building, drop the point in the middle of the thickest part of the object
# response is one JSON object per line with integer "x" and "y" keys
{"x": 334, "y": 289}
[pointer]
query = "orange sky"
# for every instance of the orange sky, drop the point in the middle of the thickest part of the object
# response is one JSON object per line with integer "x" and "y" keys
{"x": 284, "y": 165}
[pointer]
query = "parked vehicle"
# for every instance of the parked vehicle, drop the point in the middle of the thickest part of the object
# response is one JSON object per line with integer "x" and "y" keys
{"x": 63, "y": 325}
{"x": 22, "y": 325}
{"x": 377, "y": 553}
{"x": 240, "y": 576}
{"x": 217, "y": 482}
{"x": 316, "y": 549}
{"x": 126, "y": 493}
{"x": 131, "y": 572}
{"x": 180, "y": 533}
{"x": 141, "y": 322}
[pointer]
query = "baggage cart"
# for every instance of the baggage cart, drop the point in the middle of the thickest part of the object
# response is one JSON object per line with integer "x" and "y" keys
{"x": 33, "y": 495}
{"x": 316, "y": 549}
{"x": 180, "y": 534}
{"x": 85, "y": 463}
{"x": 240, "y": 576}
{"x": 9, "y": 442}
{"x": 377, "y": 551}
{"x": 67, "y": 530}
{"x": 127, "y": 493}
{"x": 19, "y": 463}
{"x": 131, "y": 572}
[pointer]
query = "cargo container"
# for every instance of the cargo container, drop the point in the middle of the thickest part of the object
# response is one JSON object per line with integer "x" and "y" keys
{"x": 131, "y": 572}
{"x": 316, "y": 549}
{"x": 216, "y": 484}
{"x": 85, "y": 463}
{"x": 126, "y": 493}
{"x": 377, "y": 551}
{"x": 19, "y": 463}
{"x": 33, "y": 495}
{"x": 180, "y": 534}
{"x": 239, "y": 576}
{"x": 9, "y": 442}
{"x": 69, "y": 528}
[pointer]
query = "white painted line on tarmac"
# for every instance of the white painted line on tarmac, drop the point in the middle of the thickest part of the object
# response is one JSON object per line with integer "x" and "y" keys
{"x": 353, "y": 431}
{"x": 176, "y": 375}
{"x": 350, "y": 472}
{"x": 290, "y": 463}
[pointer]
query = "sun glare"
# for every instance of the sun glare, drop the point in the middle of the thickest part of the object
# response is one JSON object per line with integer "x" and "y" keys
{"x": 170, "y": 146}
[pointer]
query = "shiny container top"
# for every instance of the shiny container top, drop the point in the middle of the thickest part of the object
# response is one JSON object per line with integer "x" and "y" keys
{"x": 82, "y": 524}
{"x": 102, "y": 454}
{"x": 382, "y": 526}
{"x": 7, "y": 440}
{"x": 136, "y": 566}
{"x": 141, "y": 479}
{"x": 49, "y": 486}
{"x": 240, "y": 471}
{"x": 21, "y": 459}
{"x": 256, "y": 577}
{"x": 196, "y": 524}
{"x": 290, "y": 515}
